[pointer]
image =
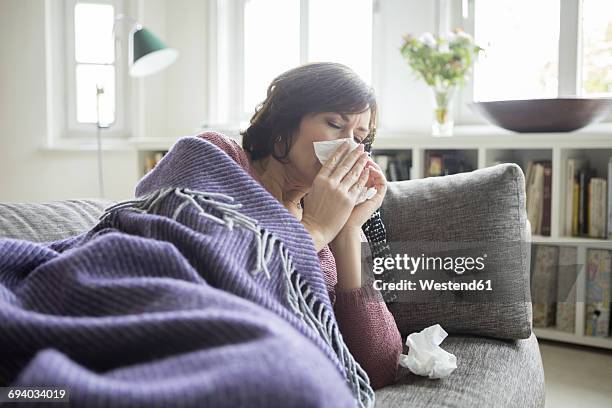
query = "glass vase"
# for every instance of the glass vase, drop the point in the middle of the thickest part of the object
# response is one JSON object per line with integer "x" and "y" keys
{"x": 442, "y": 124}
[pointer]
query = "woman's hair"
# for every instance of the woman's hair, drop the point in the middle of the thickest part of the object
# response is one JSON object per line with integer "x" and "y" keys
{"x": 310, "y": 88}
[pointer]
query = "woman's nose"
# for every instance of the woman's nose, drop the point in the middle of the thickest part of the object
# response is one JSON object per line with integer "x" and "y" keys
{"x": 349, "y": 134}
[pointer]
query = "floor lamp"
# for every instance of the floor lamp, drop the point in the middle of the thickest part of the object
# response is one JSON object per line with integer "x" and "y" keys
{"x": 147, "y": 55}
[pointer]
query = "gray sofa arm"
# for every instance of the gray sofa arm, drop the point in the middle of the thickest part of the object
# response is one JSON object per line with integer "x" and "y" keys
{"x": 50, "y": 221}
{"x": 483, "y": 207}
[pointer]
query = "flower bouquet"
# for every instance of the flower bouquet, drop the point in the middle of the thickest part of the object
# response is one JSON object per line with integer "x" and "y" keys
{"x": 443, "y": 63}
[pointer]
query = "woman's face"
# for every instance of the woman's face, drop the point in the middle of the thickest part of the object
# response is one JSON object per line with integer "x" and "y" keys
{"x": 318, "y": 127}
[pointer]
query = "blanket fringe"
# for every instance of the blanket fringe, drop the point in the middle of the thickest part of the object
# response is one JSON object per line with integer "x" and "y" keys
{"x": 230, "y": 216}
{"x": 313, "y": 312}
{"x": 302, "y": 301}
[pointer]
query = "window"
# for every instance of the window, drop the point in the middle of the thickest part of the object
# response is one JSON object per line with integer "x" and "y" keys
{"x": 93, "y": 59}
{"x": 525, "y": 43}
{"x": 597, "y": 48}
{"x": 253, "y": 41}
{"x": 551, "y": 48}
{"x": 341, "y": 31}
{"x": 270, "y": 47}
{"x": 94, "y": 54}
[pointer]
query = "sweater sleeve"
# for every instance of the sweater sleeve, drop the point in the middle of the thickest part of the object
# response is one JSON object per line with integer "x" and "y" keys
{"x": 367, "y": 326}
{"x": 370, "y": 332}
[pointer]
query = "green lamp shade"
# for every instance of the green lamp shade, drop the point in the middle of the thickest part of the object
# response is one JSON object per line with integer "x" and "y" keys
{"x": 150, "y": 54}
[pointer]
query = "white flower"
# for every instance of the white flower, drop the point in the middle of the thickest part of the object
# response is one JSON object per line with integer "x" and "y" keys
{"x": 443, "y": 47}
{"x": 428, "y": 39}
{"x": 463, "y": 36}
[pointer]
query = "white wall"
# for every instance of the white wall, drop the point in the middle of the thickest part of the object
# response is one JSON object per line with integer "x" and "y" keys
{"x": 186, "y": 28}
{"x": 149, "y": 93}
{"x": 27, "y": 172}
{"x": 171, "y": 103}
{"x": 405, "y": 103}
{"x": 168, "y": 104}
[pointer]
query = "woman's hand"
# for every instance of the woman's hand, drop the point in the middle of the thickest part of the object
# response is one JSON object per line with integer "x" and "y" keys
{"x": 362, "y": 212}
{"x": 335, "y": 189}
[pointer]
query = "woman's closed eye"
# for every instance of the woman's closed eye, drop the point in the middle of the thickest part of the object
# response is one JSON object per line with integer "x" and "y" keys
{"x": 333, "y": 125}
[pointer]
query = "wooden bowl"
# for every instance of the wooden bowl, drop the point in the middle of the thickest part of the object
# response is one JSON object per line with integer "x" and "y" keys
{"x": 544, "y": 115}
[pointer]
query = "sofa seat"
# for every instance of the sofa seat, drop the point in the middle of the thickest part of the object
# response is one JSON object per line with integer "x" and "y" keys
{"x": 490, "y": 373}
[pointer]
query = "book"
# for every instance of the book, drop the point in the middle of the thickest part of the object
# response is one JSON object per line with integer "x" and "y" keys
{"x": 393, "y": 170}
{"x": 159, "y": 156}
{"x": 152, "y": 159}
{"x": 403, "y": 165}
{"x": 567, "y": 274}
{"x": 597, "y": 207}
{"x": 396, "y": 167}
{"x": 383, "y": 161}
{"x": 149, "y": 164}
{"x": 535, "y": 197}
{"x": 601, "y": 208}
{"x": 609, "y": 201}
{"x": 445, "y": 162}
{"x": 528, "y": 173}
{"x": 546, "y": 199}
{"x": 573, "y": 167}
{"x": 544, "y": 285}
{"x": 576, "y": 208}
{"x": 528, "y": 183}
{"x": 451, "y": 164}
{"x": 583, "y": 215}
{"x": 597, "y": 301}
{"x": 434, "y": 165}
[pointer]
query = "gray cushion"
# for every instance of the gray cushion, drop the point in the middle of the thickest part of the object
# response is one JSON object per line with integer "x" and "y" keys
{"x": 51, "y": 221}
{"x": 490, "y": 373}
{"x": 479, "y": 211}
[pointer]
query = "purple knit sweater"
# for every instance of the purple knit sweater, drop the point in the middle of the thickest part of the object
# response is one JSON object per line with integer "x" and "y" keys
{"x": 202, "y": 291}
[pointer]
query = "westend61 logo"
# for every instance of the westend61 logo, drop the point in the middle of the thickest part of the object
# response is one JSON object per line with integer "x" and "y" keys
{"x": 412, "y": 264}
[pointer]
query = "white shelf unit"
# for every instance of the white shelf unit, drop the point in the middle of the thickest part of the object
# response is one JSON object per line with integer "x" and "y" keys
{"x": 495, "y": 145}
{"x": 486, "y": 144}
{"x": 578, "y": 336}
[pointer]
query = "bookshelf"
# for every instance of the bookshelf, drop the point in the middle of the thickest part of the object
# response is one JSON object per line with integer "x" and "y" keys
{"x": 483, "y": 146}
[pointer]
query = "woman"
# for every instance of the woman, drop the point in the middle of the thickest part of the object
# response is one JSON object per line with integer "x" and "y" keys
{"x": 317, "y": 102}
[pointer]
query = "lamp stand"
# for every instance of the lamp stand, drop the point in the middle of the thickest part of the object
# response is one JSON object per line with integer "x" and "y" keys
{"x": 99, "y": 92}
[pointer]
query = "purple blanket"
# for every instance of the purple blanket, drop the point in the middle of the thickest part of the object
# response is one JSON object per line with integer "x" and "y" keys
{"x": 203, "y": 291}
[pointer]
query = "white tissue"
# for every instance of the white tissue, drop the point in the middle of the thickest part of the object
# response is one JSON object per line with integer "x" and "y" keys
{"x": 326, "y": 148}
{"x": 425, "y": 356}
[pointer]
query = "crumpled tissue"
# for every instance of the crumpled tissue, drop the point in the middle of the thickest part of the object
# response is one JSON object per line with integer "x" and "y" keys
{"x": 425, "y": 356}
{"x": 326, "y": 148}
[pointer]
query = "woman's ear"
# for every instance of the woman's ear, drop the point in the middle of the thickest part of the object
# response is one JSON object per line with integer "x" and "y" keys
{"x": 277, "y": 147}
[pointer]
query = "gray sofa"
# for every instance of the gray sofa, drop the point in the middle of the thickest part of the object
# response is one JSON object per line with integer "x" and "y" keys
{"x": 500, "y": 367}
